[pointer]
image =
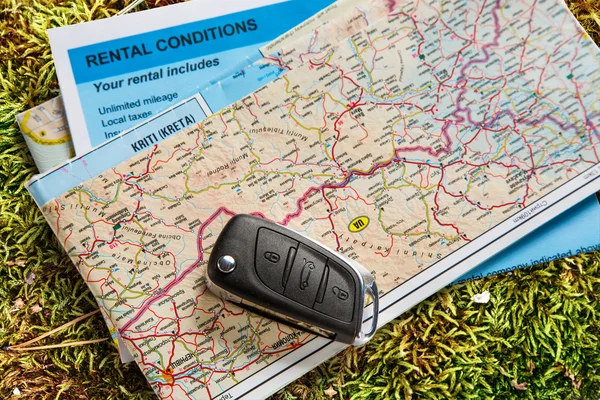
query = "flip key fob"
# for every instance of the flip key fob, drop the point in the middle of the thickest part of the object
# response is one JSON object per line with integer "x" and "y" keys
{"x": 277, "y": 272}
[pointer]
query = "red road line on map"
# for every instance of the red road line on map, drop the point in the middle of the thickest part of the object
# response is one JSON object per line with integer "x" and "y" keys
{"x": 444, "y": 150}
{"x": 299, "y": 208}
{"x": 430, "y": 151}
{"x": 485, "y": 59}
{"x": 389, "y": 250}
{"x": 187, "y": 271}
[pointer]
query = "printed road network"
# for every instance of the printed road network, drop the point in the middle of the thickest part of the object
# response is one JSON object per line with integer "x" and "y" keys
{"x": 395, "y": 147}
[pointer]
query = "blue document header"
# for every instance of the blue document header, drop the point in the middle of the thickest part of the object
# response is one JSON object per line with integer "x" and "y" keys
{"x": 196, "y": 39}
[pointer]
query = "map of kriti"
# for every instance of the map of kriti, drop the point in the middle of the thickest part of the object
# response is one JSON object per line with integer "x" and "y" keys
{"x": 396, "y": 147}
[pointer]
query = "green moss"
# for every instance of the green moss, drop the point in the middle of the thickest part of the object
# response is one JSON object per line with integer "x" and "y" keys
{"x": 540, "y": 330}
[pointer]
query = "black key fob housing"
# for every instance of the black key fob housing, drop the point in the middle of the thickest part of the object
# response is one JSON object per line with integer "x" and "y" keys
{"x": 277, "y": 272}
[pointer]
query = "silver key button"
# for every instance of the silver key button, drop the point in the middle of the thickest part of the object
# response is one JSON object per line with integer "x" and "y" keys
{"x": 226, "y": 264}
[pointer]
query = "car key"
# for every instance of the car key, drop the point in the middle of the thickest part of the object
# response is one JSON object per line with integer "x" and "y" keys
{"x": 276, "y": 272}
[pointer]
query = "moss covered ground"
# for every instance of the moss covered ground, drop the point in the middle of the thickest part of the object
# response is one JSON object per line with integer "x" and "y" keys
{"x": 538, "y": 337}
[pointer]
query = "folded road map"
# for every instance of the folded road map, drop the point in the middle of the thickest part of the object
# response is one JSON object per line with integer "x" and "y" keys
{"x": 449, "y": 131}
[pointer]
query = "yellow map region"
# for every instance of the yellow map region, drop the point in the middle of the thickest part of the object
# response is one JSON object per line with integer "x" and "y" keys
{"x": 46, "y": 132}
{"x": 43, "y": 137}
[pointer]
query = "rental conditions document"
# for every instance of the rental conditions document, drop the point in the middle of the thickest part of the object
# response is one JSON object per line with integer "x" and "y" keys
{"x": 116, "y": 72}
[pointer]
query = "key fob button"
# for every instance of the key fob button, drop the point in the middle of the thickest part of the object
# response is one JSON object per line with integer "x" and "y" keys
{"x": 273, "y": 251}
{"x": 305, "y": 276}
{"x": 338, "y": 293}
